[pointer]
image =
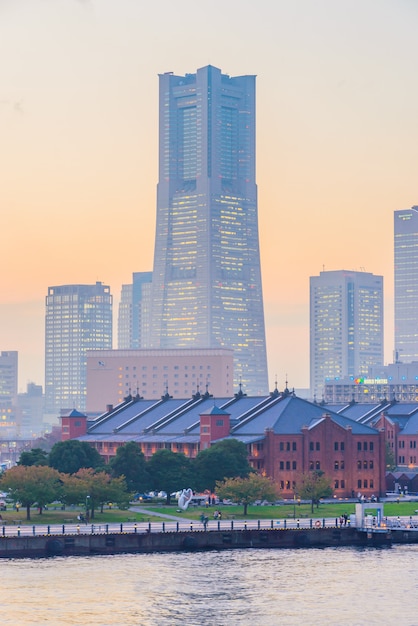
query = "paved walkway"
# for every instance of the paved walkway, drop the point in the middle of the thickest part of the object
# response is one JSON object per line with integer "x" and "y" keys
{"x": 174, "y": 518}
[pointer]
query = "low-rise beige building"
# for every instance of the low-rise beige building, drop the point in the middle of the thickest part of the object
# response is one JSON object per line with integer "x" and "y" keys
{"x": 112, "y": 375}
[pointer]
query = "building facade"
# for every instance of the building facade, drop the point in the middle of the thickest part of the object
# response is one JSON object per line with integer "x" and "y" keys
{"x": 112, "y": 375}
{"x": 135, "y": 312}
{"x": 394, "y": 382}
{"x": 406, "y": 284}
{"x": 207, "y": 290}
{"x": 31, "y": 411}
{"x": 78, "y": 318}
{"x": 8, "y": 392}
{"x": 346, "y": 326}
{"x": 284, "y": 437}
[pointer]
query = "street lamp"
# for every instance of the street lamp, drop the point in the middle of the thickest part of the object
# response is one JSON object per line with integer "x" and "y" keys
{"x": 87, "y": 507}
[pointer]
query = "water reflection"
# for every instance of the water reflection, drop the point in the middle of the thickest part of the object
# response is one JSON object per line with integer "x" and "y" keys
{"x": 331, "y": 586}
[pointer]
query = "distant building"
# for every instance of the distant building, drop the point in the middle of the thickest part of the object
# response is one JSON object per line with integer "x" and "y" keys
{"x": 8, "y": 376}
{"x": 346, "y": 326}
{"x": 406, "y": 284}
{"x": 31, "y": 411}
{"x": 395, "y": 382}
{"x": 73, "y": 425}
{"x": 78, "y": 318}
{"x": 112, "y": 375}
{"x": 134, "y": 312}
{"x": 206, "y": 285}
{"x": 8, "y": 392}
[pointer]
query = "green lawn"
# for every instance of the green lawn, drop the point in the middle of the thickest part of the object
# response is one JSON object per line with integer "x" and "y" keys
{"x": 69, "y": 516}
{"x": 115, "y": 515}
{"x": 282, "y": 511}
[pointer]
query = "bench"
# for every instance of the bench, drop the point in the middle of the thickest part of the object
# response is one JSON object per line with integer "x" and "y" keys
{"x": 231, "y": 516}
{"x": 69, "y": 521}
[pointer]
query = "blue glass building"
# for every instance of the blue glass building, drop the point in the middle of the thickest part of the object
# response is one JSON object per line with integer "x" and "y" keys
{"x": 207, "y": 290}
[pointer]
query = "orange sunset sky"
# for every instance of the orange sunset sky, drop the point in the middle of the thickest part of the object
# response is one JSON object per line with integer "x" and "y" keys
{"x": 337, "y": 141}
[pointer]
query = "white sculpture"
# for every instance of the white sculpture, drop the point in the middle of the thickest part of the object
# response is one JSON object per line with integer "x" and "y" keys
{"x": 184, "y": 499}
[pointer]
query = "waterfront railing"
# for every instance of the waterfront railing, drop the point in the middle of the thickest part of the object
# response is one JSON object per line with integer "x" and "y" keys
{"x": 408, "y": 523}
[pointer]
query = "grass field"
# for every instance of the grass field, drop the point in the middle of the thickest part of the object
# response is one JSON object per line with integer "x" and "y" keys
{"x": 69, "y": 516}
{"x": 114, "y": 515}
{"x": 283, "y": 511}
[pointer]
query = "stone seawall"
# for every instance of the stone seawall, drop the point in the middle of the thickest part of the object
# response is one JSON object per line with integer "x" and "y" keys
{"x": 116, "y": 543}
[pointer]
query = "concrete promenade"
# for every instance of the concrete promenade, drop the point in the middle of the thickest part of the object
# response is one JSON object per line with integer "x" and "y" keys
{"x": 175, "y": 524}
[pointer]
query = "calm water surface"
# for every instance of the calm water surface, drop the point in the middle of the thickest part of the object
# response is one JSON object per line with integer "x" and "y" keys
{"x": 341, "y": 586}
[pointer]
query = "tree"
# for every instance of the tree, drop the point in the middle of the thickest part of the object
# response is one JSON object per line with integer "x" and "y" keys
{"x": 30, "y": 484}
{"x": 94, "y": 489}
{"x": 390, "y": 458}
{"x": 71, "y": 455}
{"x": 36, "y": 456}
{"x": 169, "y": 471}
{"x": 130, "y": 462}
{"x": 313, "y": 486}
{"x": 225, "y": 459}
{"x": 246, "y": 490}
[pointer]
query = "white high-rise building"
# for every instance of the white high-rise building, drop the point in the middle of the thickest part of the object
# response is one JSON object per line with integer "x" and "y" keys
{"x": 406, "y": 285}
{"x": 78, "y": 318}
{"x": 346, "y": 326}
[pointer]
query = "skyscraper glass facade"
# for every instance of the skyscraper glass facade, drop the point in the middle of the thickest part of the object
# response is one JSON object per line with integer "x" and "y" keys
{"x": 206, "y": 290}
{"x": 406, "y": 285}
{"x": 134, "y": 312}
{"x": 78, "y": 318}
{"x": 346, "y": 326}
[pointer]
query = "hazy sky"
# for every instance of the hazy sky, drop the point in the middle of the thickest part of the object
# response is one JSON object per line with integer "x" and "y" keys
{"x": 337, "y": 141}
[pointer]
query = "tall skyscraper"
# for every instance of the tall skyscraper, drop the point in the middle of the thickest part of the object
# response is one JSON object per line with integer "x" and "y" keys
{"x": 134, "y": 312}
{"x": 78, "y": 318}
{"x": 207, "y": 290}
{"x": 406, "y": 285}
{"x": 346, "y": 325}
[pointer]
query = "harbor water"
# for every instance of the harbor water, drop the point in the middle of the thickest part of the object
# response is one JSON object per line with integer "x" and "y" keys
{"x": 329, "y": 586}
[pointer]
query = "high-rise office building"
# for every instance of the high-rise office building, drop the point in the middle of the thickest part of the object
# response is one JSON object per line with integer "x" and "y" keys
{"x": 78, "y": 318}
{"x": 346, "y": 326}
{"x": 207, "y": 290}
{"x": 8, "y": 392}
{"x": 134, "y": 312}
{"x": 406, "y": 285}
{"x": 8, "y": 376}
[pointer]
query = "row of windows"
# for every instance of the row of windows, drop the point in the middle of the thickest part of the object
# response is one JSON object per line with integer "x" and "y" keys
{"x": 286, "y": 445}
{"x": 361, "y": 484}
{"x": 316, "y": 465}
{"x": 412, "y": 444}
{"x": 313, "y": 445}
{"x": 287, "y": 465}
{"x": 366, "y": 445}
{"x": 366, "y": 484}
{"x": 145, "y": 376}
{"x": 365, "y": 465}
{"x": 287, "y": 484}
{"x": 165, "y": 367}
{"x": 412, "y": 460}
